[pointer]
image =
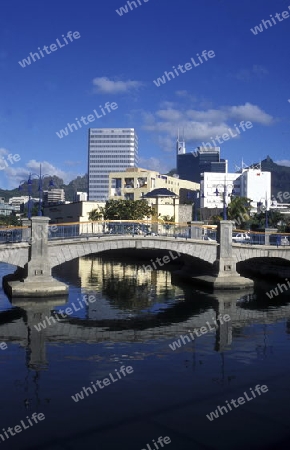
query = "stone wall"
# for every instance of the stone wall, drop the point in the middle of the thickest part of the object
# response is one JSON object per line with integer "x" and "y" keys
{"x": 185, "y": 213}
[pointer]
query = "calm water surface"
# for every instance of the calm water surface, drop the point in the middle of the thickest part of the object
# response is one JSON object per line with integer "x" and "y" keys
{"x": 135, "y": 317}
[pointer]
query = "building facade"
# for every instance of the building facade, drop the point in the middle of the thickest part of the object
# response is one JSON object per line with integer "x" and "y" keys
{"x": 223, "y": 182}
{"x": 256, "y": 185}
{"x": 110, "y": 150}
{"x": 53, "y": 196}
{"x": 190, "y": 166}
{"x": 134, "y": 183}
{"x": 71, "y": 212}
{"x": 251, "y": 183}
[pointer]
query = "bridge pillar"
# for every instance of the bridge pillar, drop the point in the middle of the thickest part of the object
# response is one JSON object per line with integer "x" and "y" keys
{"x": 35, "y": 279}
{"x": 196, "y": 229}
{"x": 226, "y": 275}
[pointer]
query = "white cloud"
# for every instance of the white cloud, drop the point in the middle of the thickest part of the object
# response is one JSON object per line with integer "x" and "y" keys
{"x": 252, "y": 113}
{"x": 182, "y": 93}
{"x": 106, "y": 86}
{"x": 256, "y": 71}
{"x": 154, "y": 164}
{"x": 70, "y": 162}
{"x": 201, "y": 125}
{"x": 15, "y": 175}
{"x": 283, "y": 162}
{"x": 3, "y": 151}
{"x": 169, "y": 114}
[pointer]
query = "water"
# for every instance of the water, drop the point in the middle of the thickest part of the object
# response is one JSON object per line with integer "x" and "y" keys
{"x": 135, "y": 317}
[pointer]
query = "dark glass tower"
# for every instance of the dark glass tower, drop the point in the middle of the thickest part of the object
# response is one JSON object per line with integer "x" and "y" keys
{"x": 190, "y": 166}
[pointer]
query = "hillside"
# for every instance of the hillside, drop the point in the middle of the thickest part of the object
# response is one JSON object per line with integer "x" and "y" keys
{"x": 280, "y": 177}
{"x": 78, "y": 184}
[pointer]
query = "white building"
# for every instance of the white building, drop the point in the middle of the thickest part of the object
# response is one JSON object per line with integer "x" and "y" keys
{"x": 17, "y": 201}
{"x": 221, "y": 182}
{"x": 53, "y": 196}
{"x": 74, "y": 212}
{"x": 251, "y": 183}
{"x": 110, "y": 150}
{"x": 81, "y": 197}
{"x": 256, "y": 185}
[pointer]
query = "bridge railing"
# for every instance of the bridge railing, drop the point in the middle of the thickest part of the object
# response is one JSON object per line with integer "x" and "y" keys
{"x": 264, "y": 238}
{"x": 117, "y": 227}
{"x": 12, "y": 234}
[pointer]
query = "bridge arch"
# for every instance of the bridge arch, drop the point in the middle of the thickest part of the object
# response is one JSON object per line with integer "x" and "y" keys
{"x": 68, "y": 250}
{"x": 246, "y": 252}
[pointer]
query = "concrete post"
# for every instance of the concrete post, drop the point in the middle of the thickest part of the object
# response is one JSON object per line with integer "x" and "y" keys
{"x": 227, "y": 277}
{"x": 269, "y": 231}
{"x": 26, "y": 232}
{"x": 36, "y": 279}
{"x": 196, "y": 229}
{"x": 225, "y": 262}
{"x": 38, "y": 261}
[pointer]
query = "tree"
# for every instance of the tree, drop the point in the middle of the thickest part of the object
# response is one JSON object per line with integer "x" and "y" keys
{"x": 216, "y": 219}
{"x": 96, "y": 214}
{"x": 274, "y": 218}
{"x": 127, "y": 210}
{"x": 9, "y": 220}
{"x": 168, "y": 218}
{"x": 239, "y": 211}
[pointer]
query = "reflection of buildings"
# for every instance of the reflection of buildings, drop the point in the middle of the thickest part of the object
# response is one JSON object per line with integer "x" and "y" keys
{"x": 125, "y": 286}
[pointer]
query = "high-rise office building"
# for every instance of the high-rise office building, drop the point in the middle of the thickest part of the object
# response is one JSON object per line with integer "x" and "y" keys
{"x": 190, "y": 166}
{"x": 110, "y": 150}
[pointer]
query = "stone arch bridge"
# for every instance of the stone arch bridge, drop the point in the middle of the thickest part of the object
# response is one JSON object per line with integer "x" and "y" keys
{"x": 35, "y": 261}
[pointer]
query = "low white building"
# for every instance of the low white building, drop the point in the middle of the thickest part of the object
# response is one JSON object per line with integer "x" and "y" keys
{"x": 256, "y": 185}
{"x": 81, "y": 197}
{"x": 53, "y": 196}
{"x": 213, "y": 186}
{"x": 71, "y": 212}
{"x": 251, "y": 183}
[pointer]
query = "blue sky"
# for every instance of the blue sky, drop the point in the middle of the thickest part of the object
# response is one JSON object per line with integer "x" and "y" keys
{"x": 117, "y": 58}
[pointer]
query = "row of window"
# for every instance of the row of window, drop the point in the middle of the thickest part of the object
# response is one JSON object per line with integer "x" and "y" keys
{"x": 114, "y": 136}
{"x": 115, "y": 141}
{"x": 118, "y": 161}
{"x": 110, "y": 156}
{"x": 99, "y": 176}
{"x": 101, "y": 146}
{"x": 97, "y": 130}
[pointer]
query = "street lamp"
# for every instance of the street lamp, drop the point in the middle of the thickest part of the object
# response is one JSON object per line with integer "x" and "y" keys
{"x": 20, "y": 188}
{"x": 40, "y": 178}
{"x": 199, "y": 196}
{"x": 225, "y": 193}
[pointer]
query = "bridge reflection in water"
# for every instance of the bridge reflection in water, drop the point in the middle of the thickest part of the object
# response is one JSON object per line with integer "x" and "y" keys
{"x": 133, "y": 308}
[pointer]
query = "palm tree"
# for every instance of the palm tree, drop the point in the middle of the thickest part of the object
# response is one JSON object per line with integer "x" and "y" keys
{"x": 239, "y": 210}
{"x": 96, "y": 215}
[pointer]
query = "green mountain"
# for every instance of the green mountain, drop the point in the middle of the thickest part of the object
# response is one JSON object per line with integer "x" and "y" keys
{"x": 280, "y": 179}
{"x": 78, "y": 184}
